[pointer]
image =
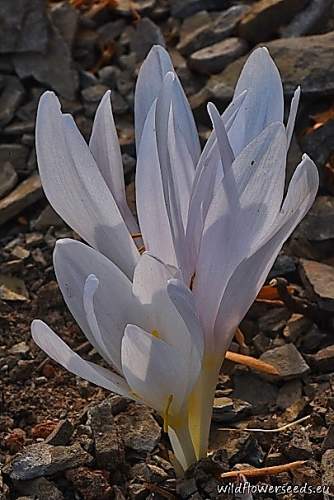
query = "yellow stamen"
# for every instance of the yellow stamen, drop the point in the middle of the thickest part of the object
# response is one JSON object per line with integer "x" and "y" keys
{"x": 156, "y": 334}
{"x": 166, "y": 412}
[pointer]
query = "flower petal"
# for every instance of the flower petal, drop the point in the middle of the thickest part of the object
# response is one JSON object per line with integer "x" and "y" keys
{"x": 150, "y": 79}
{"x": 104, "y": 146}
{"x": 292, "y": 115}
{"x": 243, "y": 210}
{"x": 151, "y": 206}
{"x": 264, "y": 103}
{"x": 114, "y": 304}
{"x": 76, "y": 188}
{"x": 57, "y": 350}
{"x": 155, "y": 370}
{"x": 251, "y": 273}
{"x": 150, "y": 287}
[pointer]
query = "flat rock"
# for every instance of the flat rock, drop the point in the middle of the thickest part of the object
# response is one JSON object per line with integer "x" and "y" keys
{"x": 10, "y": 99}
{"x": 13, "y": 289}
{"x": 16, "y": 154}
{"x": 296, "y": 326}
{"x": 323, "y": 360}
{"x": 305, "y": 61}
{"x": 289, "y": 394}
{"x": 26, "y": 193}
{"x": 318, "y": 225}
{"x": 138, "y": 428}
{"x": 266, "y": 16}
{"x": 42, "y": 459}
{"x": 24, "y": 26}
{"x": 209, "y": 31}
{"x": 300, "y": 447}
{"x": 65, "y": 18}
{"x": 288, "y": 361}
{"x": 40, "y": 488}
{"x": 186, "y": 8}
{"x": 47, "y": 218}
{"x": 318, "y": 279}
{"x": 327, "y": 466}
{"x": 146, "y": 35}
{"x": 54, "y": 68}
{"x": 229, "y": 410}
{"x": 310, "y": 21}
{"x": 215, "y": 58}
{"x": 318, "y": 143}
{"x": 109, "y": 449}
{"x": 251, "y": 388}
{"x": 8, "y": 178}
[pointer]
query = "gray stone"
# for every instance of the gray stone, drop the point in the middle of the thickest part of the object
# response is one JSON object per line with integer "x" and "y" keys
{"x": 319, "y": 145}
{"x": 16, "y": 154}
{"x": 283, "y": 266}
{"x": 216, "y": 57}
{"x": 42, "y": 459}
{"x": 318, "y": 279}
{"x": 138, "y": 428}
{"x": 26, "y": 193}
{"x": 109, "y": 75}
{"x": 327, "y": 466}
{"x": 40, "y": 488}
{"x": 110, "y": 31}
{"x": 305, "y": 61}
{"x": 300, "y": 447}
{"x": 186, "y": 8}
{"x": 109, "y": 449}
{"x": 61, "y": 434}
{"x": 296, "y": 326}
{"x": 266, "y": 16}
{"x": 94, "y": 93}
{"x": 186, "y": 487}
{"x": 146, "y": 35}
{"x": 289, "y": 393}
{"x": 318, "y": 225}
{"x": 323, "y": 360}
{"x": 53, "y": 68}
{"x": 47, "y": 218}
{"x": 288, "y": 361}
{"x": 310, "y": 21}
{"x": 65, "y": 18}
{"x": 18, "y": 128}
{"x": 24, "y": 26}
{"x": 10, "y": 99}
{"x": 227, "y": 410}
{"x": 255, "y": 390}
{"x": 211, "y": 31}
{"x": 8, "y": 178}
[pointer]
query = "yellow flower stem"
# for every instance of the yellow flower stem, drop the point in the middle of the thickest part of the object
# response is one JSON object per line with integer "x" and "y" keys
{"x": 181, "y": 442}
{"x": 201, "y": 404}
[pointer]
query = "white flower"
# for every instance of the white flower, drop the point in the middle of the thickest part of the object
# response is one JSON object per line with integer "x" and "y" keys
{"x": 153, "y": 346}
{"x": 219, "y": 216}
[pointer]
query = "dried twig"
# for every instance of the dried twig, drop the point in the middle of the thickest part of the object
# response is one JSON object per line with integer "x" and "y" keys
{"x": 265, "y": 471}
{"x": 257, "y": 364}
{"x": 278, "y": 429}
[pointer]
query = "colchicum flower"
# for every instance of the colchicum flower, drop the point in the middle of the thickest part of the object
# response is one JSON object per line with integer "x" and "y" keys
{"x": 153, "y": 346}
{"x": 217, "y": 219}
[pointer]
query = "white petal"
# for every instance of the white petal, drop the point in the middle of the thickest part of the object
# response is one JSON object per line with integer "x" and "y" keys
{"x": 114, "y": 304}
{"x": 251, "y": 273}
{"x": 150, "y": 287}
{"x": 164, "y": 121}
{"x": 57, "y": 350}
{"x": 264, "y": 103}
{"x": 243, "y": 210}
{"x": 151, "y": 206}
{"x": 225, "y": 150}
{"x": 150, "y": 78}
{"x": 208, "y": 175}
{"x": 76, "y": 188}
{"x": 184, "y": 302}
{"x": 105, "y": 149}
{"x": 292, "y": 115}
{"x": 155, "y": 370}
